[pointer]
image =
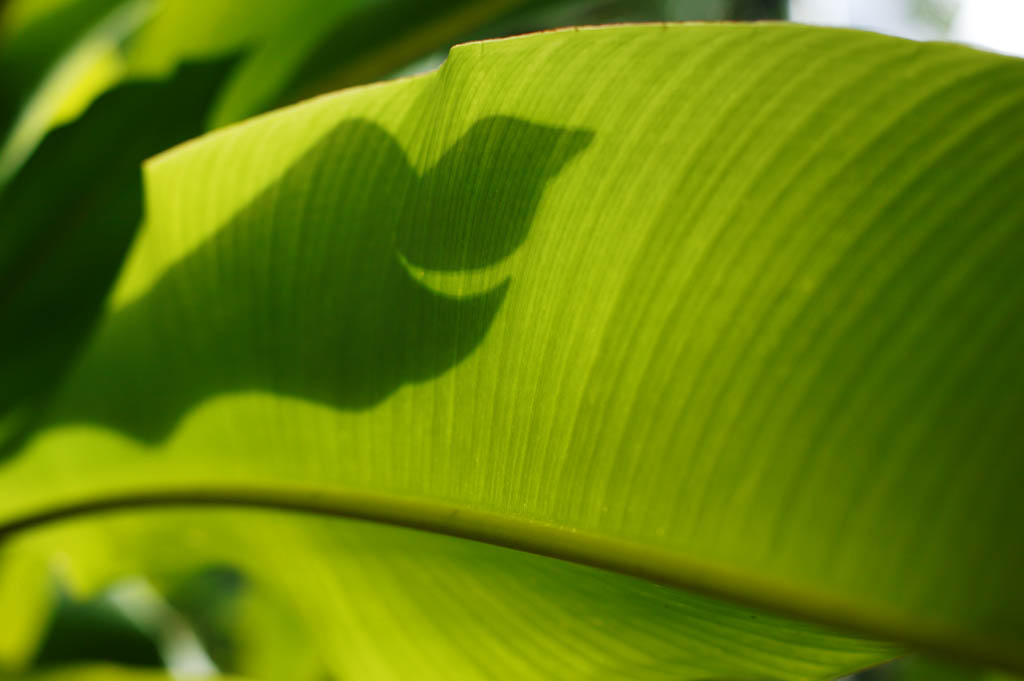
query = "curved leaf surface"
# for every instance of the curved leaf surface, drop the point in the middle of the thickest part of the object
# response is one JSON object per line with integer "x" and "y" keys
{"x": 732, "y": 307}
{"x": 342, "y": 599}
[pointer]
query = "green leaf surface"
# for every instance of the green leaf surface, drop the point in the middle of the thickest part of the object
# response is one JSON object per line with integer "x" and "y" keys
{"x": 80, "y": 234}
{"x": 732, "y": 308}
{"x": 341, "y": 599}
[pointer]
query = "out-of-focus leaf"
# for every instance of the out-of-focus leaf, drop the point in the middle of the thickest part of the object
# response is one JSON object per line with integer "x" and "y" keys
{"x": 754, "y": 10}
{"x": 915, "y": 668}
{"x": 26, "y": 598}
{"x": 387, "y": 36}
{"x": 34, "y": 36}
{"x": 95, "y": 631}
{"x": 67, "y": 220}
{"x": 86, "y": 69}
{"x": 274, "y": 35}
{"x": 209, "y": 600}
{"x": 730, "y": 308}
{"x": 106, "y": 672}
{"x": 287, "y": 44}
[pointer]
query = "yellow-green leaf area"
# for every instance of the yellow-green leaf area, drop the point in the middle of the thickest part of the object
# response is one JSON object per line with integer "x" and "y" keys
{"x": 746, "y": 297}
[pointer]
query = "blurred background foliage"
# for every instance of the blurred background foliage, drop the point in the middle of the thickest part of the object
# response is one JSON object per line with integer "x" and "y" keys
{"x": 76, "y": 76}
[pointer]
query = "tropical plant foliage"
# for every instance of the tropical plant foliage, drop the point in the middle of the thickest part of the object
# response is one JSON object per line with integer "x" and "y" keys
{"x": 666, "y": 351}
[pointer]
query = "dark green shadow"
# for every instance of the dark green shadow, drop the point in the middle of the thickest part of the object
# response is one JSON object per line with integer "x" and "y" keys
{"x": 66, "y": 221}
{"x": 304, "y": 292}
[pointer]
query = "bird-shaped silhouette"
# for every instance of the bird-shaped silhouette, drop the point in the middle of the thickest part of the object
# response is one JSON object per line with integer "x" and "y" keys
{"x": 304, "y": 291}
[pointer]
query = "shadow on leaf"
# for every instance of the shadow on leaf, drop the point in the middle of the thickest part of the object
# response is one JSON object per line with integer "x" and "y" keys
{"x": 304, "y": 291}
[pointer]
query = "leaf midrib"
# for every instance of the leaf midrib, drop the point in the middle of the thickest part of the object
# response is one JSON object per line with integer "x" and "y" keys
{"x": 624, "y": 557}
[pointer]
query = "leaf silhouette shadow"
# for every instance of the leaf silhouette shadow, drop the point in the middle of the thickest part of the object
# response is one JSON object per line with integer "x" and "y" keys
{"x": 304, "y": 291}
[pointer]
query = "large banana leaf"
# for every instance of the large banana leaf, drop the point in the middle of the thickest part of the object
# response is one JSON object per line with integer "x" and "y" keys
{"x": 729, "y": 308}
{"x": 81, "y": 234}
